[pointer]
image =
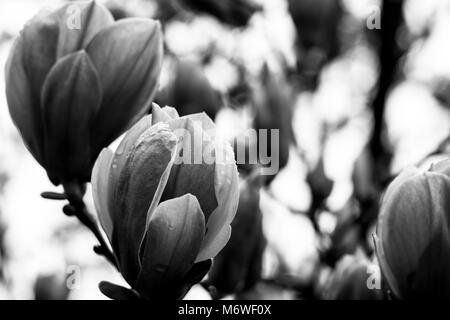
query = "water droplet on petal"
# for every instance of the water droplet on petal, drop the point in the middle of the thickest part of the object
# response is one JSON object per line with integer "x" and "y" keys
{"x": 114, "y": 163}
{"x": 161, "y": 268}
{"x": 120, "y": 149}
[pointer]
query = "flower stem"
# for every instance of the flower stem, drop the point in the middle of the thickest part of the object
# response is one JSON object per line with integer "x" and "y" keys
{"x": 76, "y": 207}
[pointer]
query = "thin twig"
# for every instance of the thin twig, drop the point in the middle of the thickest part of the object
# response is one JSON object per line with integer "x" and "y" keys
{"x": 77, "y": 208}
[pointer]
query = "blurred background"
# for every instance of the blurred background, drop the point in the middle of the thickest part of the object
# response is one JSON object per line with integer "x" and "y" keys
{"x": 359, "y": 89}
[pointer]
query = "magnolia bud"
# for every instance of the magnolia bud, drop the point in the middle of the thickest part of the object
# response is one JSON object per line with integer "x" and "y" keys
{"x": 74, "y": 86}
{"x": 166, "y": 199}
{"x": 413, "y": 234}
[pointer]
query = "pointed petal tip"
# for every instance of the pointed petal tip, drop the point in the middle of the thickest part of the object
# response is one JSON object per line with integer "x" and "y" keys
{"x": 227, "y": 193}
{"x": 143, "y": 24}
{"x": 128, "y": 57}
{"x": 210, "y": 250}
{"x": 100, "y": 185}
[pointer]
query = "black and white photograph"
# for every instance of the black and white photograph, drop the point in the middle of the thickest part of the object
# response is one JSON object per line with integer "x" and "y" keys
{"x": 223, "y": 154}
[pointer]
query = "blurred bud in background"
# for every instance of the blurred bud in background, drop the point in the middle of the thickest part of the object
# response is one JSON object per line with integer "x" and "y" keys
{"x": 317, "y": 24}
{"x": 189, "y": 90}
{"x": 354, "y": 278}
{"x": 346, "y": 237}
{"x": 441, "y": 91}
{"x": 320, "y": 186}
{"x": 274, "y": 101}
{"x": 166, "y": 218}
{"x": 75, "y": 80}
{"x": 237, "y": 268}
{"x": 413, "y": 234}
{"x": 236, "y": 13}
{"x": 365, "y": 191}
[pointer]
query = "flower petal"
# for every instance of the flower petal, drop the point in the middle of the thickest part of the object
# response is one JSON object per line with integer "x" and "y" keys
{"x": 128, "y": 57}
{"x": 136, "y": 185}
{"x": 413, "y": 236}
{"x": 40, "y": 41}
{"x": 79, "y": 22}
{"x": 160, "y": 115}
{"x": 238, "y": 265}
{"x": 441, "y": 167}
{"x": 100, "y": 179}
{"x": 204, "y": 122}
{"x": 123, "y": 151}
{"x": 388, "y": 198}
{"x": 25, "y": 111}
{"x": 172, "y": 242}
{"x": 193, "y": 170}
{"x": 406, "y": 174}
{"x": 71, "y": 97}
{"x": 172, "y": 112}
{"x": 226, "y": 186}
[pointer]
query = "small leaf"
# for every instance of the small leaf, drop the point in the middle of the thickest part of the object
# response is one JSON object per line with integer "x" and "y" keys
{"x": 116, "y": 292}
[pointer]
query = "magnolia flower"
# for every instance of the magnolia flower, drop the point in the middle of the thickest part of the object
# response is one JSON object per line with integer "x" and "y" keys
{"x": 166, "y": 199}
{"x": 75, "y": 80}
{"x": 413, "y": 234}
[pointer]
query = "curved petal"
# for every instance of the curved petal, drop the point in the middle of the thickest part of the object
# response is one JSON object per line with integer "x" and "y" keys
{"x": 25, "y": 112}
{"x": 123, "y": 151}
{"x": 100, "y": 178}
{"x": 413, "y": 236}
{"x": 172, "y": 242}
{"x": 389, "y": 198}
{"x": 40, "y": 41}
{"x": 226, "y": 186}
{"x": 71, "y": 97}
{"x": 79, "y": 22}
{"x": 136, "y": 185}
{"x": 162, "y": 114}
{"x": 159, "y": 190}
{"x": 403, "y": 176}
{"x": 128, "y": 57}
{"x": 172, "y": 112}
{"x": 193, "y": 170}
{"x": 441, "y": 167}
{"x": 204, "y": 122}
